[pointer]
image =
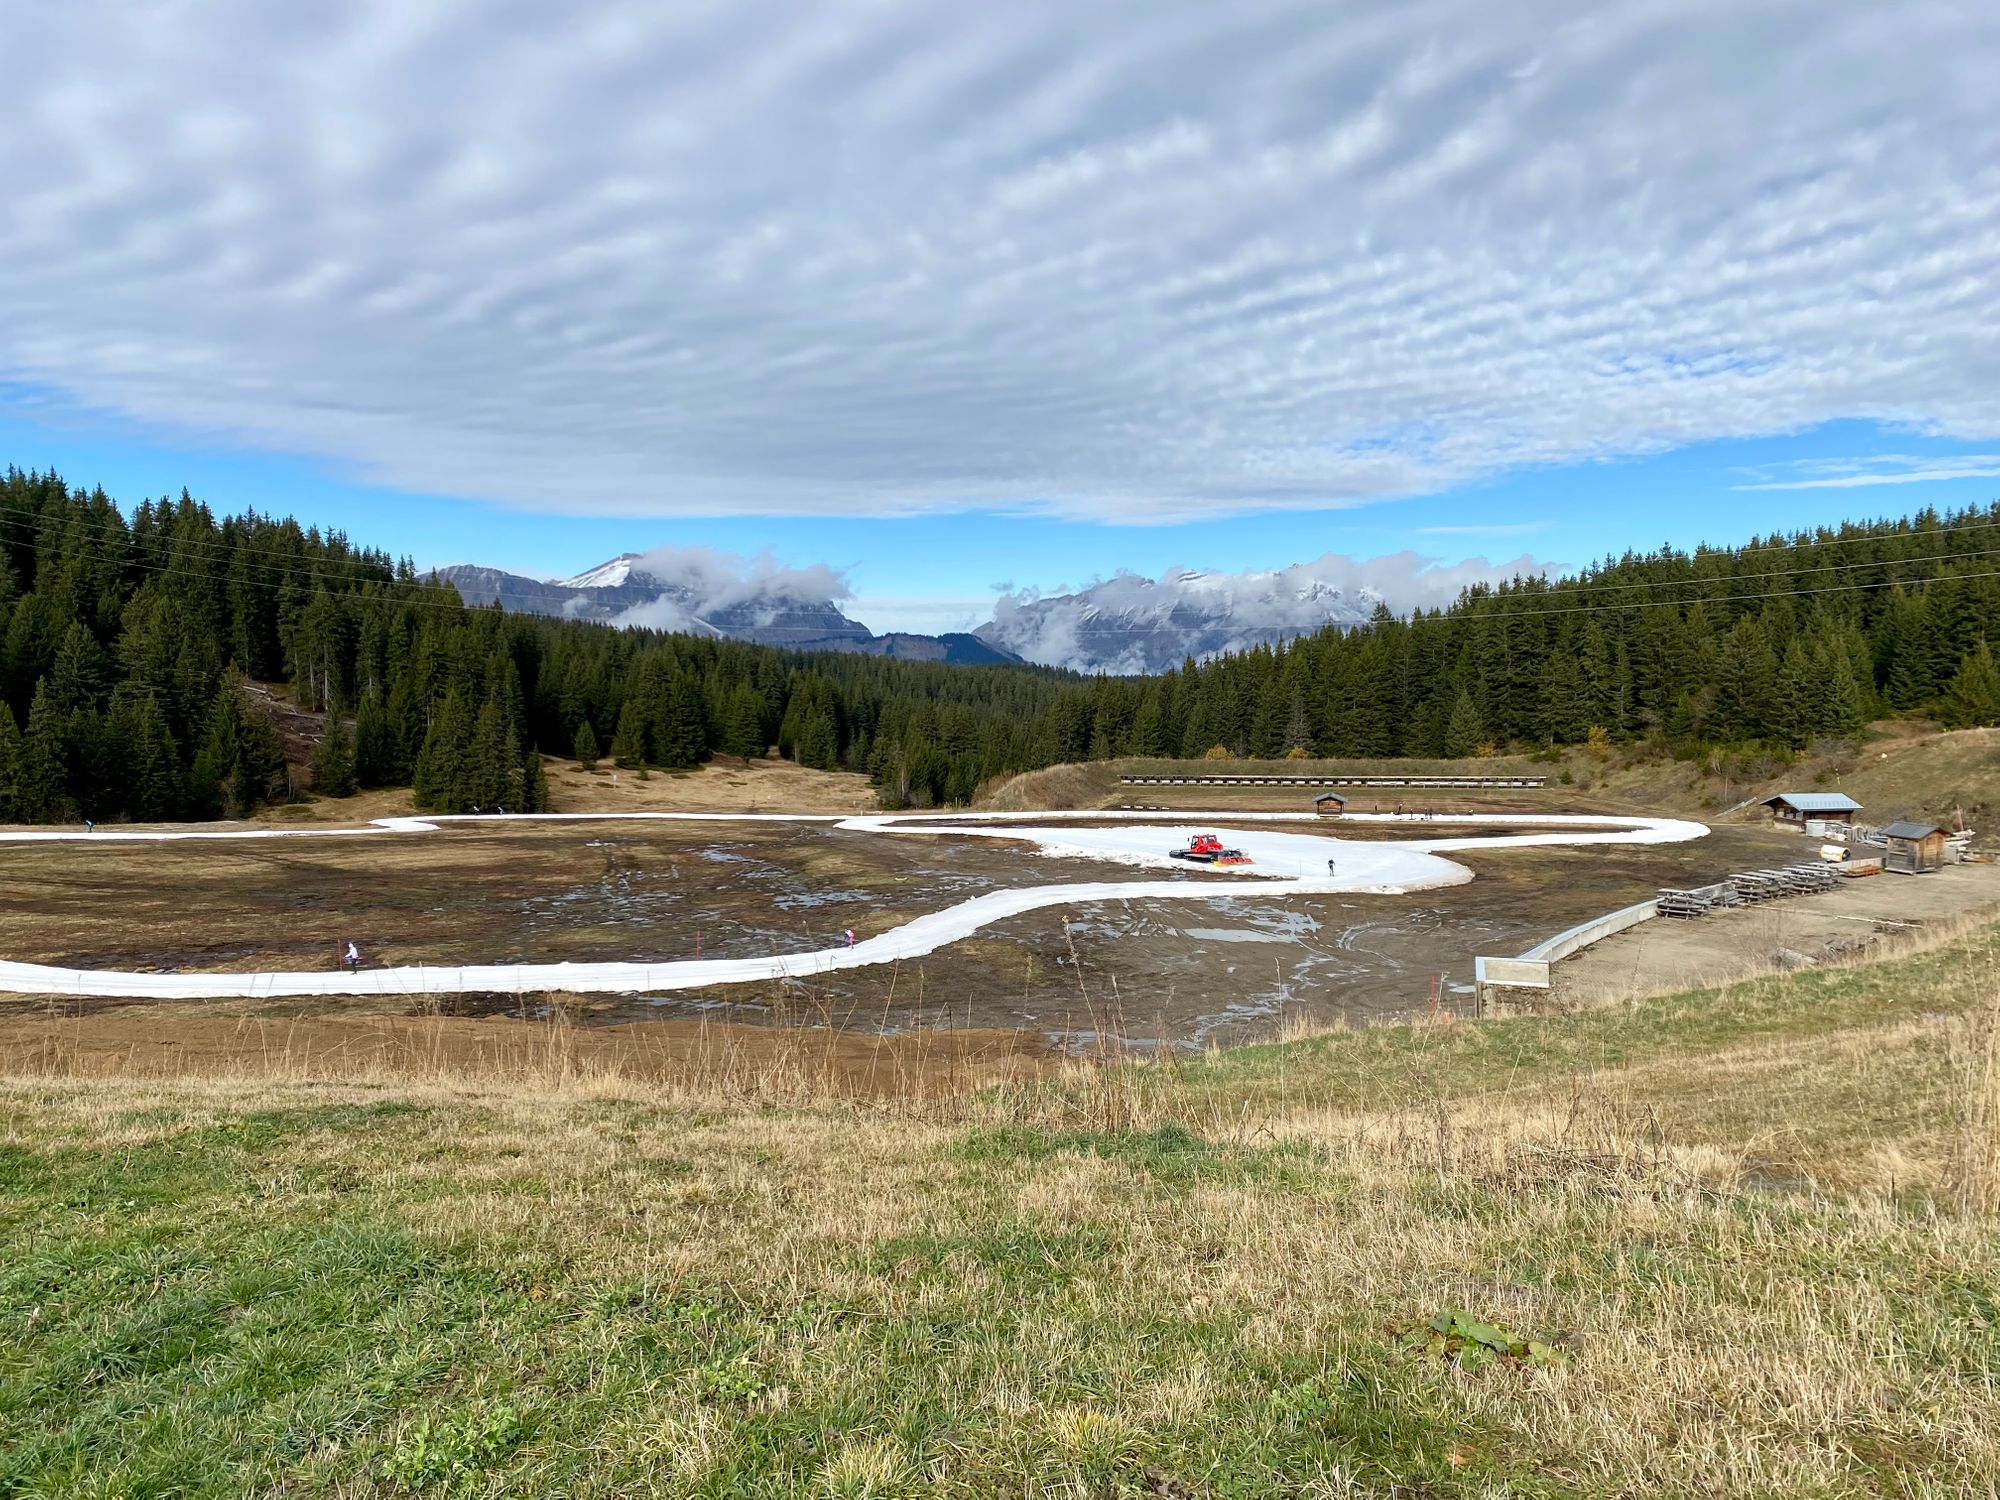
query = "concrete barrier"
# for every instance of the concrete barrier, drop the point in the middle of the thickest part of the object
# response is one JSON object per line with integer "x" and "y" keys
{"x": 1510, "y": 973}
{"x": 1535, "y": 969}
{"x": 1581, "y": 936}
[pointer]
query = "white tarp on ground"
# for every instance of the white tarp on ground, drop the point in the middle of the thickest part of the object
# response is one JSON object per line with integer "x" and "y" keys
{"x": 1286, "y": 864}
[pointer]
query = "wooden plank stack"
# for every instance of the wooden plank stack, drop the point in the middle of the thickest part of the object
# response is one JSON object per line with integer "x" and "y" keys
{"x": 1749, "y": 888}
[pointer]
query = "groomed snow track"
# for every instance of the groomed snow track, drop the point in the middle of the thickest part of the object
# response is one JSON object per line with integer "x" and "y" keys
{"x": 1286, "y": 863}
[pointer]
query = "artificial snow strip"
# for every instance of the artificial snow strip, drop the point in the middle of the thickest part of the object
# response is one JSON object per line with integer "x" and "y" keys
{"x": 1285, "y": 864}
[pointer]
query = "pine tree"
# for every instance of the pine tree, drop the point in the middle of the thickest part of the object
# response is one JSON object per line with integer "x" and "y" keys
{"x": 333, "y": 760}
{"x": 241, "y": 761}
{"x": 1148, "y": 731}
{"x": 818, "y": 747}
{"x": 148, "y": 760}
{"x": 1565, "y": 705}
{"x": 534, "y": 784}
{"x": 1791, "y": 705}
{"x": 1972, "y": 699}
{"x": 42, "y": 793}
{"x": 10, "y": 765}
{"x": 586, "y": 746}
{"x": 628, "y": 745}
{"x": 440, "y": 783}
{"x": 374, "y": 750}
{"x": 1464, "y": 731}
{"x": 1298, "y": 728}
{"x": 493, "y": 770}
{"x": 681, "y": 736}
{"x": 744, "y": 734}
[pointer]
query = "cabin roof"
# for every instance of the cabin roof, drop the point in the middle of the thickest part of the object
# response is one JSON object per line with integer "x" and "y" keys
{"x": 1906, "y": 830}
{"x": 1812, "y": 802}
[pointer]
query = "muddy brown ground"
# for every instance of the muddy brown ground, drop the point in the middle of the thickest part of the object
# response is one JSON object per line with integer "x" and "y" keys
{"x": 1147, "y": 971}
{"x": 1664, "y": 955}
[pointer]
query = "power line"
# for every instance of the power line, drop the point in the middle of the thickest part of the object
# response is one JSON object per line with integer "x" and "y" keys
{"x": 291, "y": 570}
{"x": 1691, "y": 559}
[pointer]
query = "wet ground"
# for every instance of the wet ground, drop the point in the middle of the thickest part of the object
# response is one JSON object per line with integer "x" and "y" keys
{"x": 1148, "y": 972}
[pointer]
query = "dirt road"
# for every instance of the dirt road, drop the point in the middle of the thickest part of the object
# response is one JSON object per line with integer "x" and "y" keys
{"x": 1665, "y": 954}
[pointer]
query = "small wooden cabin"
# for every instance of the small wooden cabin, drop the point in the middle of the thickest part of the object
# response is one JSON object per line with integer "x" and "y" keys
{"x": 1329, "y": 804}
{"x": 1913, "y": 848}
{"x": 1793, "y": 809}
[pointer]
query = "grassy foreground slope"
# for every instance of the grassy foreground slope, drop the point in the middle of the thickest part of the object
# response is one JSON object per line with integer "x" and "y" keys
{"x": 1729, "y": 1243}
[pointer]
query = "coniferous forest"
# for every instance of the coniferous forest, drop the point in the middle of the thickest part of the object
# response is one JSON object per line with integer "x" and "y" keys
{"x": 133, "y": 647}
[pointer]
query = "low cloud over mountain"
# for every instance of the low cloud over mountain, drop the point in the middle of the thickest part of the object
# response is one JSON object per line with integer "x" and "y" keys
{"x": 699, "y": 591}
{"x": 1134, "y": 624}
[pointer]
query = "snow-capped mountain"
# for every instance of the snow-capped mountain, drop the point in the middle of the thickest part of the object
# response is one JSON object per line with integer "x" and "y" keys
{"x": 1130, "y": 624}
{"x": 695, "y": 591}
{"x": 606, "y": 575}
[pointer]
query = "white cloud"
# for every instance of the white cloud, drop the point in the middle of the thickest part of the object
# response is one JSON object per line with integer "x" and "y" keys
{"x": 702, "y": 583}
{"x": 1517, "y": 528}
{"x": 1133, "y": 261}
{"x": 1880, "y": 469}
{"x": 723, "y": 578}
{"x": 1130, "y": 623}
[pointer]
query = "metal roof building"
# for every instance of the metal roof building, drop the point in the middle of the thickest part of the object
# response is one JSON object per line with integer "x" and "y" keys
{"x": 1793, "y": 808}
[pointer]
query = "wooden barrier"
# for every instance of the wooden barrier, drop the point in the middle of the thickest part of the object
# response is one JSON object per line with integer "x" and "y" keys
{"x": 1459, "y": 783}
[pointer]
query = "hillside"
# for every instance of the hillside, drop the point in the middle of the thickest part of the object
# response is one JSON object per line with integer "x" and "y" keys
{"x": 1735, "y": 1243}
{"x": 1896, "y": 769}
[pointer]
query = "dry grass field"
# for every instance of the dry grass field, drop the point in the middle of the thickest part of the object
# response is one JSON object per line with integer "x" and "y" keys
{"x": 1734, "y": 1242}
{"x": 1900, "y": 768}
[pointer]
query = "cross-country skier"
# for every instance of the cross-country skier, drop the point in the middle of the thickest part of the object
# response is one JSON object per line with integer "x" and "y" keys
{"x": 351, "y": 959}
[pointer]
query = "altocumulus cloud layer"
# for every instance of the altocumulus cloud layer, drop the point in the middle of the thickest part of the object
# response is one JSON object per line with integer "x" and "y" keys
{"x": 1128, "y": 260}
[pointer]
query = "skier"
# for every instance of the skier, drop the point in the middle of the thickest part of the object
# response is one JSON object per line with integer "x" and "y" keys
{"x": 1329, "y": 867}
{"x": 89, "y": 826}
{"x": 351, "y": 959}
{"x": 849, "y": 935}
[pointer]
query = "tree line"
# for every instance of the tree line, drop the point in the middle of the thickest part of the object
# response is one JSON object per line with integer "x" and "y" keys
{"x": 130, "y": 647}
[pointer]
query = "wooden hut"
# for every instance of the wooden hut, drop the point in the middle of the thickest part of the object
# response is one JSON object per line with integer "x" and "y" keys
{"x": 1329, "y": 804}
{"x": 1913, "y": 848}
{"x": 1795, "y": 809}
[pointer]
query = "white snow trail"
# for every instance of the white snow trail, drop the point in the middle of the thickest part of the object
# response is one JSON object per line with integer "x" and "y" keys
{"x": 1287, "y": 863}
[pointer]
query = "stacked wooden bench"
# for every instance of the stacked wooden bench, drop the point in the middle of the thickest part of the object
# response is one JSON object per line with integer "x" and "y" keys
{"x": 1750, "y": 888}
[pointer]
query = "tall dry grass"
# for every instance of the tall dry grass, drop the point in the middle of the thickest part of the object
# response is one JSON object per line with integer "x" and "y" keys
{"x": 1973, "y": 1171}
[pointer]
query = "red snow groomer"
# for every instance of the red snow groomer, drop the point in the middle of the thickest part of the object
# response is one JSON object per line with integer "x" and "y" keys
{"x": 1208, "y": 849}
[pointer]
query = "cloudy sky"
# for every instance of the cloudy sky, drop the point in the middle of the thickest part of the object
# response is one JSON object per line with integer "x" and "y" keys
{"x": 954, "y": 296}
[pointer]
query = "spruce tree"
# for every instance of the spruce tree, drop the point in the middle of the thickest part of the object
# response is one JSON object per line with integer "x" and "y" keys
{"x": 1565, "y": 703}
{"x": 744, "y": 733}
{"x": 10, "y": 766}
{"x": 440, "y": 781}
{"x": 241, "y": 763}
{"x": 681, "y": 739}
{"x": 43, "y": 789}
{"x": 586, "y": 746}
{"x": 628, "y": 745}
{"x": 148, "y": 760}
{"x": 1147, "y": 734}
{"x": 333, "y": 760}
{"x": 818, "y": 747}
{"x": 534, "y": 784}
{"x": 493, "y": 771}
{"x": 374, "y": 752}
{"x": 1464, "y": 731}
{"x": 1972, "y": 699}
